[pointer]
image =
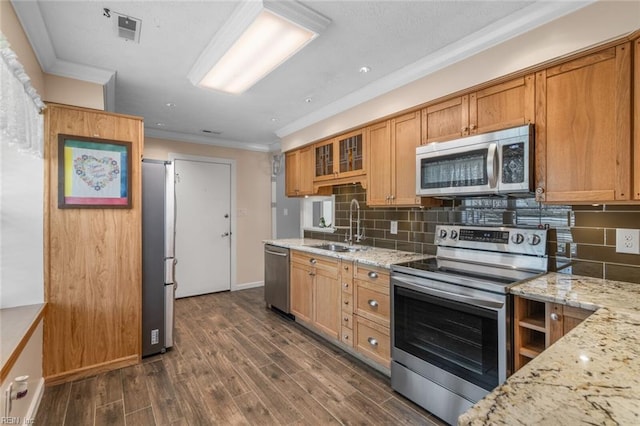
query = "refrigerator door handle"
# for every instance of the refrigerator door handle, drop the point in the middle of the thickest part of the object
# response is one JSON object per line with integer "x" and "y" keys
{"x": 169, "y": 320}
{"x": 170, "y": 270}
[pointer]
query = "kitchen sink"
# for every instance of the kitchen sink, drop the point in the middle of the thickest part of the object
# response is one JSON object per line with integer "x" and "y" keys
{"x": 339, "y": 248}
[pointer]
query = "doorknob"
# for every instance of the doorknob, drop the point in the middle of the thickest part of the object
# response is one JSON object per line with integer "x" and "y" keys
{"x": 225, "y": 234}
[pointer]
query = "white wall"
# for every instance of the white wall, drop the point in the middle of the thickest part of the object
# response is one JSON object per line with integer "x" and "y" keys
{"x": 21, "y": 224}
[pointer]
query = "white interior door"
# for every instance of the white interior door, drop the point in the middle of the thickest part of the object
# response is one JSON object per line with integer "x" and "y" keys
{"x": 203, "y": 227}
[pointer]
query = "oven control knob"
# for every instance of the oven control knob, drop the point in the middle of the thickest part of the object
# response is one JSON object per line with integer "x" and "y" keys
{"x": 534, "y": 239}
{"x": 454, "y": 234}
{"x": 517, "y": 238}
{"x": 443, "y": 233}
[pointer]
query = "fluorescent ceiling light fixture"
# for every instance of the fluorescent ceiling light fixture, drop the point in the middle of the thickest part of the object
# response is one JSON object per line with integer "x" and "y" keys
{"x": 257, "y": 38}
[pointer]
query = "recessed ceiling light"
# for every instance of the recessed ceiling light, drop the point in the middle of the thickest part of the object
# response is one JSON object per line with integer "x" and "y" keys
{"x": 308, "y": 100}
{"x": 365, "y": 70}
{"x": 160, "y": 124}
{"x": 170, "y": 105}
{"x": 274, "y": 119}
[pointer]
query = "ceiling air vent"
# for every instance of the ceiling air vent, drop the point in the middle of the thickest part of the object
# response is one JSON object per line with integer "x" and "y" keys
{"x": 129, "y": 28}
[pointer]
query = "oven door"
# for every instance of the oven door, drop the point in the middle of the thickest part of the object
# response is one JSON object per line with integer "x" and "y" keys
{"x": 452, "y": 335}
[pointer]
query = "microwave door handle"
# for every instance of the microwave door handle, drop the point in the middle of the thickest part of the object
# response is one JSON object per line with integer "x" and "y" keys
{"x": 492, "y": 165}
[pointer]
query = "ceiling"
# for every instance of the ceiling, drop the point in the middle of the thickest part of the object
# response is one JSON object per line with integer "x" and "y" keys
{"x": 393, "y": 38}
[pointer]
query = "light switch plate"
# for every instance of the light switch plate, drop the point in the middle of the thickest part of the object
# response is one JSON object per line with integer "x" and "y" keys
{"x": 628, "y": 241}
{"x": 394, "y": 227}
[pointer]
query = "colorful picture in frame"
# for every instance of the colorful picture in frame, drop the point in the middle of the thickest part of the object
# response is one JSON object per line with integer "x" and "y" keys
{"x": 93, "y": 173}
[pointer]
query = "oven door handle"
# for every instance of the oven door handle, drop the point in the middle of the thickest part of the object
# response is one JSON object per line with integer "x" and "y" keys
{"x": 421, "y": 288}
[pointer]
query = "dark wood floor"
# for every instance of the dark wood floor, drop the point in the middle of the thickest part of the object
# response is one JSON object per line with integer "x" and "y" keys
{"x": 234, "y": 362}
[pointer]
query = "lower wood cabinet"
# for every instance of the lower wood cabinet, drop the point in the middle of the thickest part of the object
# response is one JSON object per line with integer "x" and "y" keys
{"x": 537, "y": 325}
{"x": 344, "y": 301}
{"x": 315, "y": 292}
{"x": 371, "y": 313}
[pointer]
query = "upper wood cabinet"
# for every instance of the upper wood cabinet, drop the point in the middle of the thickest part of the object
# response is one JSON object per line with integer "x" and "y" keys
{"x": 340, "y": 157}
{"x": 392, "y": 162}
{"x": 299, "y": 172}
{"x": 500, "y": 106}
{"x": 583, "y": 134}
{"x": 636, "y": 120}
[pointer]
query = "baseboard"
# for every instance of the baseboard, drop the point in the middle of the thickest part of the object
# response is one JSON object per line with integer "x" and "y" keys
{"x": 245, "y": 286}
{"x": 35, "y": 402}
{"x": 92, "y": 370}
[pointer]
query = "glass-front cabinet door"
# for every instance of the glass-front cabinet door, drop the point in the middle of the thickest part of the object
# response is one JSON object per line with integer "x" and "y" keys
{"x": 340, "y": 157}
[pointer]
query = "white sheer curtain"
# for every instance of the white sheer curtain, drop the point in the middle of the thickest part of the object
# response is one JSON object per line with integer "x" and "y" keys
{"x": 21, "y": 124}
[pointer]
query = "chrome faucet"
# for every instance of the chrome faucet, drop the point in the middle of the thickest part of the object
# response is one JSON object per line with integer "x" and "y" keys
{"x": 359, "y": 236}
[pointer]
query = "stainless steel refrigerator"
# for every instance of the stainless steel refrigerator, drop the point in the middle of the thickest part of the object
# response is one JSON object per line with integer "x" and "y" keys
{"x": 158, "y": 262}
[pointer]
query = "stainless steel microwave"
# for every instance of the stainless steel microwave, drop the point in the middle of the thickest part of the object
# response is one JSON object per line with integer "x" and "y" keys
{"x": 496, "y": 163}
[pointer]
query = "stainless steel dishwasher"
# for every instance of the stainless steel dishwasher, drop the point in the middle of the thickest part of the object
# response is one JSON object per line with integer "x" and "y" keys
{"x": 276, "y": 277}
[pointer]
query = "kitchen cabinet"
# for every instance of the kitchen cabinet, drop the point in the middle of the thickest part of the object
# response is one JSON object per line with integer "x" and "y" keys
{"x": 501, "y": 106}
{"x": 538, "y": 324}
{"x": 636, "y": 120}
{"x": 299, "y": 174}
{"x": 346, "y": 315}
{"x": 316, "y": 291}
{"x": 371, "y": 313}
{"x": 583, "y": 134}
{"x": 392, "y": 162}
{"x": 340, "y": 157}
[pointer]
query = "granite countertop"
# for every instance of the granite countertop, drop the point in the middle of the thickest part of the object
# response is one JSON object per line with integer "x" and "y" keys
{"x": 590, "y": 376}
{"x": 373, "y": 256}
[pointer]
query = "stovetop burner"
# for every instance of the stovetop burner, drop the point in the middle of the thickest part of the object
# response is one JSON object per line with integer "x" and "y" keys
{"x": 491, "y": 259}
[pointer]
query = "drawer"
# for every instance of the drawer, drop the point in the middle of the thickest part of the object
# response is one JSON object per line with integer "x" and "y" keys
{"x": 346, "y": 270}
{"x": 347, "y": 286}
{"x": 372, "y": 275}
{"x": 327, "y": 264}
{"x": 346, "y": 319}
{"x": 371, "y": 303}
{"x": 372, "y": 340}
{"x": 346, "y": 336}
{"x": 347, "y": 302}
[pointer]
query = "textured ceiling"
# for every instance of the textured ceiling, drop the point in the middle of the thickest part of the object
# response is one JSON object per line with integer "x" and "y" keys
{"x": 387, "y": 36}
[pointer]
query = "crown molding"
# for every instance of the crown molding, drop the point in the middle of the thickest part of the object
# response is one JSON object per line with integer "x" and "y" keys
{"x": 500, "y": 31}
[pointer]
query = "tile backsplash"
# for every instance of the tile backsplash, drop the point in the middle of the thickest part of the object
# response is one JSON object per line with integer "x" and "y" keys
{"x": 582, "y": 239}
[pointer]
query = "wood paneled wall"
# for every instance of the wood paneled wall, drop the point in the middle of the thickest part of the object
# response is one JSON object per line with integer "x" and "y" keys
{"x": 93, "y": 259}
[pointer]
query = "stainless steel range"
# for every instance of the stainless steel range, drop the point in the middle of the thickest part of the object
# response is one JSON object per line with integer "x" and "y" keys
{"x": 450, "y": 315}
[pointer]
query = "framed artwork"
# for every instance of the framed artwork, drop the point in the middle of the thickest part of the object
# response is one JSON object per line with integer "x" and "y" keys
{"x": 93, "y": 173}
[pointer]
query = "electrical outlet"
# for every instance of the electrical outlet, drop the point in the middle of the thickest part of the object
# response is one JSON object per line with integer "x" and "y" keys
{"x": 394, "y": 227}
{"x": 628, "y": 241}
{"x": 155, "y": 336}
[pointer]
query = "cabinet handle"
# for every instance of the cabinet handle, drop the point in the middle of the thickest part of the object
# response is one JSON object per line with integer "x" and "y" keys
{"x": 311, "y": 274}
{"x": 372, "y": 275}
{"x": 313, "y": 261}
{"x": 464, "y": 129}
{"x": 373, "y": 342}
{"x": 346, "y": 337}
{"x": 345, "y": 285}
{"x": 346, "y": 319}
{"x": 472, "y": 127}
{"x": 373, "y": 303}
{"x": 554, "y": 316}
{"x": 346, "y": 268}
{"x": 346, "y": 302}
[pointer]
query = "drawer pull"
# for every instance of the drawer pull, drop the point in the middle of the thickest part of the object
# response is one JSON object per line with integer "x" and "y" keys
{"x": 346, "y": 302}
{"x": 554, "y": 316}
{"x": 373, "y": 342}
{"x": 311, "y": 274}
{"x": 373, "y": 275}
{"x": 373, "y": 303}
{"x": 346, "y": 319}
{"x": 313, "y": 261}
{"x": 345, "y": 285}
